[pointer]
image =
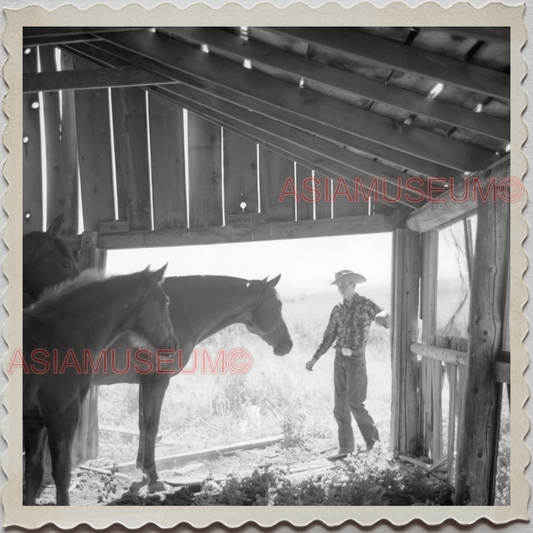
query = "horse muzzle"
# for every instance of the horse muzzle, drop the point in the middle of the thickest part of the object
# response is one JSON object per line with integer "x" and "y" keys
{"x": 283, "y": 348}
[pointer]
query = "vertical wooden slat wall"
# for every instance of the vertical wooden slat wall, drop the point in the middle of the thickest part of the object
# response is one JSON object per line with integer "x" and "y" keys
{"x": 304, "y": 209}
{"x": 131, "y": 157}
{"x": 205, "y": 173}
{"x": 61, "y": 149}
{"x": 168, "y": 163}
{"x": 94, "y": 153}
{"x": 274, "y": 170}
{"x": 240, "y": 174}
{"x": 344, "y": 201}
{"x": 32, "y": 194}
{"x": 323, "y": 204}
{"x": 406, "y": 275}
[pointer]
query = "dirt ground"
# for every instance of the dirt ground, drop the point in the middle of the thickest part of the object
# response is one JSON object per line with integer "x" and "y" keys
{"x": 91, "y": 488}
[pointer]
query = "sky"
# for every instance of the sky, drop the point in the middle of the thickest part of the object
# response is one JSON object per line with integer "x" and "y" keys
{"x": 303, "y": 263}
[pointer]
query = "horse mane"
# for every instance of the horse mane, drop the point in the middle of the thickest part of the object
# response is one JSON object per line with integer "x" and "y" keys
{"x": 60, "y": 292}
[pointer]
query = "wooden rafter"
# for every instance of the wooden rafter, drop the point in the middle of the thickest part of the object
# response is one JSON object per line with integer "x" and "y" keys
{"x": 97, "y": 78}
{"x": 308, "y": 152}
{"x": 225, "y": 42}
{"x": 394, "y": 55}
{"x": 191, "y": 66}
{"x": 402, "y": 159}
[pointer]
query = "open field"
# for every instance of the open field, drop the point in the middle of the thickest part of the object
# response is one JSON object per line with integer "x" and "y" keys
{"x": 277, "y": 395}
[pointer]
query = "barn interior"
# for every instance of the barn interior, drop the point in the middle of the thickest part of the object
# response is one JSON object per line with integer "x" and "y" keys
{"x": 176, "y": 136}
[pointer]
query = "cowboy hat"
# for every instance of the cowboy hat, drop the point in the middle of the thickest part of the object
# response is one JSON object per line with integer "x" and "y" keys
{"x": 347, "y": 275}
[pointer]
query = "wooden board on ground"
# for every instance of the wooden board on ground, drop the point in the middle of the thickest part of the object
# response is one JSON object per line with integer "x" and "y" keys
{"x": 170, "y": 461}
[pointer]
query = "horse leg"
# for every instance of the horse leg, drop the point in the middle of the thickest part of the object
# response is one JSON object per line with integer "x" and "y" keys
{"x": 34, "y": 441}
{"x": 154, "y": 388}
{"x": 61, "y": 431}
{"x": 142, "y": 433}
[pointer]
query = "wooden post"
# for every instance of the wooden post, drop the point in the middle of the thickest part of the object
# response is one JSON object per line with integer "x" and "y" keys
{"x": 404, "y": 306}
{"x": 85, "y": 444}
{"x": 431, "y": 370}
{"x": 477, "y": 450}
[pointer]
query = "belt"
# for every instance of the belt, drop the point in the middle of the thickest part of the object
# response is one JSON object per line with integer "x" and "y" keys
{"x": 355, "y": 352}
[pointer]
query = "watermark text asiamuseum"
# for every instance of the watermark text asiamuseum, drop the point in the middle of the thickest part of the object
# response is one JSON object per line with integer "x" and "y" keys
{"x": 141, "y": 361}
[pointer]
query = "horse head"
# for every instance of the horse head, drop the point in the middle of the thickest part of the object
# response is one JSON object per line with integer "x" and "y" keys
{"x": 47, "y": 260}
{"x": 266, "y": 319}
{"x": 151, "y": 321}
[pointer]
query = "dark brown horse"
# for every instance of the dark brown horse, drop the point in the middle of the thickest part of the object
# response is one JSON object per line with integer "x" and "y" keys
{"x": 77, "y": 318}
{"x": 46, "y": 261}
{"x": 199, "y": 307}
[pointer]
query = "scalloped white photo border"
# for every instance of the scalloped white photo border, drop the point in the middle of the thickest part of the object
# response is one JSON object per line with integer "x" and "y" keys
{"x": 395, "y": 14}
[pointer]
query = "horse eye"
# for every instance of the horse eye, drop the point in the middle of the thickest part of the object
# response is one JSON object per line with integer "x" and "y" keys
{"x": 67, "y": 265}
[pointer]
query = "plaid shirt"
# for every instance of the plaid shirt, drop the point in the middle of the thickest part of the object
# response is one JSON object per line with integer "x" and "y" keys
{"x": 349, "y": 324}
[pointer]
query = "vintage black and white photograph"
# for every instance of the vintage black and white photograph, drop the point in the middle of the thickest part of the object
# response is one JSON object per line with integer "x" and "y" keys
{"x": 266, "y": 265}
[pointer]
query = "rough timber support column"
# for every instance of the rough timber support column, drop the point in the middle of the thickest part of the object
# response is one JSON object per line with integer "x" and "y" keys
{"x": 404, "y": 306}
{"x": 478, "y": 448}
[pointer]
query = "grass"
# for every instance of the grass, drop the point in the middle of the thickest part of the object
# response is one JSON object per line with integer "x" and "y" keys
{"x": 277, "y": 395}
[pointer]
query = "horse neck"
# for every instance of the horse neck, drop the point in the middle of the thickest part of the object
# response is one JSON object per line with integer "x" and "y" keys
{"x": 102, "y": 312}
{"x": 210, "y": 309}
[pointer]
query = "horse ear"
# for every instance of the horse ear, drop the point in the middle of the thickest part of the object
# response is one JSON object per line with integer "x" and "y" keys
{"x": 160, "y": 274}
{"x": 54, "y": 230}
{"x": 265, "y": 279}
{"x": 274, "y": 282}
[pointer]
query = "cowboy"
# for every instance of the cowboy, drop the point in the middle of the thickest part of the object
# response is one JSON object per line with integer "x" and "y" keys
{"x": 348, "y": 325}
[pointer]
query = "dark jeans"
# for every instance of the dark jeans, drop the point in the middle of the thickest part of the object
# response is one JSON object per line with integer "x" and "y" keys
{"x": 350, "y": 393}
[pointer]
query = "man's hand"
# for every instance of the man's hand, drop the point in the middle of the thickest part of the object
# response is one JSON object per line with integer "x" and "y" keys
{"x": 311, "y": 363}
{"x": 383, "y": 319}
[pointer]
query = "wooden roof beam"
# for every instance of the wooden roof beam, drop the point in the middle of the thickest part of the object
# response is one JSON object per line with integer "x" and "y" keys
{"x": 402, "y": 159}
{"x": 191, "y": 66}
{"x": 219, "y": 40}
{"x": 445, "y": 211}
{"x": 408, "y": 59}
{"x": 302, "y": 229}
{"x": 96, "y": 78}
{"x": 311, "y": 156}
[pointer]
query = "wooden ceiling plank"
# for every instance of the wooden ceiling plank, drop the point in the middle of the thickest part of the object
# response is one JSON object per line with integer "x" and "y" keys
{"x": 416, "y": 164}
{"x": 500, "y": 34}
{"x": 308, "y": 157}
{"x": 97, "y": 78}
{"x": 192, "y": 66}
{"x": 398, "y": 56}
{"x": 257, "y": 52}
